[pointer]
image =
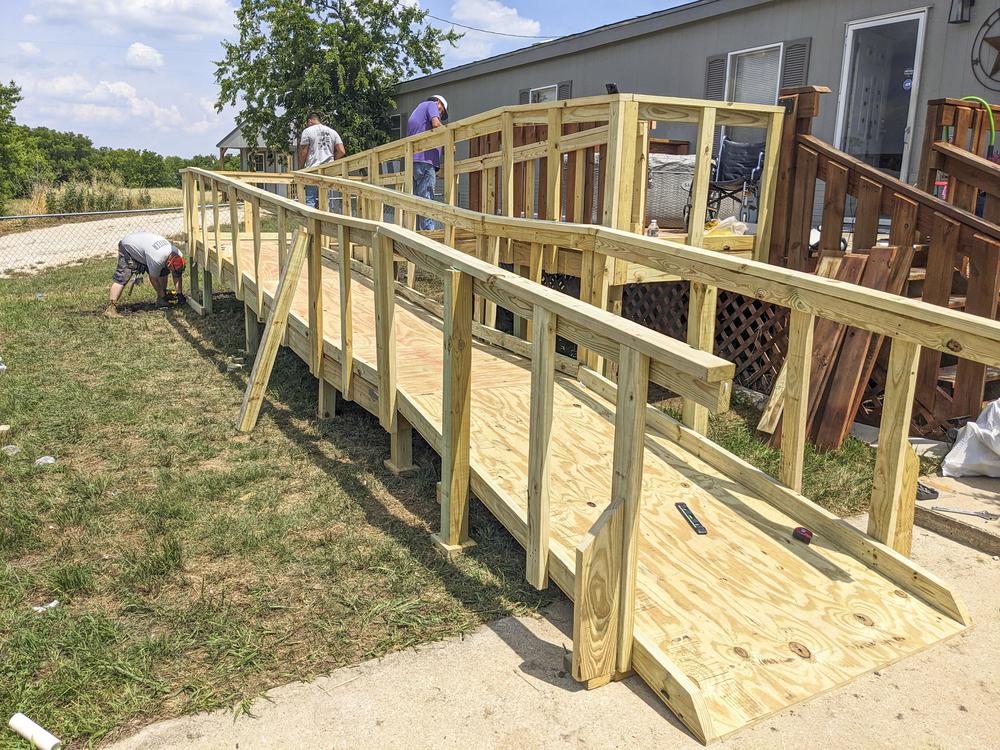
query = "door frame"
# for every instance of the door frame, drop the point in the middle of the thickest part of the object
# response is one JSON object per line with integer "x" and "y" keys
{"x": 920, "y": 16}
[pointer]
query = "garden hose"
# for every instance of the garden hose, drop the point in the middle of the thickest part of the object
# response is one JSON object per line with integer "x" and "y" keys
{"x": 993, "y": 126}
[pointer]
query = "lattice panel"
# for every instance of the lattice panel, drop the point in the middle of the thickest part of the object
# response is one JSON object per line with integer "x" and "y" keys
{"x": 750, "y": 333}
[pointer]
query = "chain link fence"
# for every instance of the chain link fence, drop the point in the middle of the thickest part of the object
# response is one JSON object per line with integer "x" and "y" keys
{"x": 32, "y": 243}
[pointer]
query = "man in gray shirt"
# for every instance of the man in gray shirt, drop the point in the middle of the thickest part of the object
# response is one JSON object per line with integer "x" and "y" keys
{"x": 318, "y": 145}
{"x": 145, "y": 252}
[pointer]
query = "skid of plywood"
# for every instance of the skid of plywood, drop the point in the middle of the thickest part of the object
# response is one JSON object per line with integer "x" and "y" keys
{"x": 730, "y": 627}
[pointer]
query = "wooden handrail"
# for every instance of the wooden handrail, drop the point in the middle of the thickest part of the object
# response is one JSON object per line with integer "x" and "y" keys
{"x": 879, "y": 312}
{"x": 861, "y": 169}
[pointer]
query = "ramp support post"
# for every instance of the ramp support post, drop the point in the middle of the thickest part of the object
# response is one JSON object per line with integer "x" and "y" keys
{"x": 251, "y": 328}
{"x": 454, "y": 535}
{"x": 400, "y": 461}
{"x": 326, "y": 407}
{"x": 273, "y": 333}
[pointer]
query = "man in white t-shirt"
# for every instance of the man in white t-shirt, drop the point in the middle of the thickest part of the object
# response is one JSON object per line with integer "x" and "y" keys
{"x": 146, "y": 252}
{"x": 318, "y": 145}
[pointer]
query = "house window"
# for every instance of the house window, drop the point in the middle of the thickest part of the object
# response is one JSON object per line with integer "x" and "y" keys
{"x": 753, "y": 75}
{"x": 544, "y": 94}
{"x": 395, "y": 127}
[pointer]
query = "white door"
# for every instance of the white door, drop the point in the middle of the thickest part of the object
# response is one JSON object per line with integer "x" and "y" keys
{"x": 878, "y": 89}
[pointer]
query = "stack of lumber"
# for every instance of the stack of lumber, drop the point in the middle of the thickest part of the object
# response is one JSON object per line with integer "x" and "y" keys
{"x": 843, "y": 357}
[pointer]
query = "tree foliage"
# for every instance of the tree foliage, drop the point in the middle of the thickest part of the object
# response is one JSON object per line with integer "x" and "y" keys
{"x": 342, "y": 58}
{"x": 19, "y": 155}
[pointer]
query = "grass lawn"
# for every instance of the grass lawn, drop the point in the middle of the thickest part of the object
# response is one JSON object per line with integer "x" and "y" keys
{"x": 196, "y": 567}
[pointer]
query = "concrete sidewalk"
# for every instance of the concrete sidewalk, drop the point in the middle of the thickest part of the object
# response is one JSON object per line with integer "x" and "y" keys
{"x": 504, "y": 687}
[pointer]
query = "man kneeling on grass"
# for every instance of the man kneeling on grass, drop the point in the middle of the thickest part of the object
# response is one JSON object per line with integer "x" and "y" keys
{"x": 145, "y": 252}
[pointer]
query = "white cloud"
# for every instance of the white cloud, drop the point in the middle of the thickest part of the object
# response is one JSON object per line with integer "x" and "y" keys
{"x": 143, "y": 57}
{"x": 30, "y": 18}
{"x": 73, "y": 98}
{"x": 490, "y": 15}
{"x": 177, "y": 18}
{"x": 207, "y": 104}
{"x": 28, "y": 49}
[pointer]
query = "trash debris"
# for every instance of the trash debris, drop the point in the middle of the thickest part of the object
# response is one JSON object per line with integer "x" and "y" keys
{"x": 45, "y": 461}
{"x": 10, "y": 450}
{"x": 3, "y": 367}
{"x": 925, "y": 492}
{"x": 36, "y": 735}
{"x": 4, "y": 430}
{"x": 46, "y": 607}
{"x": 39, "y": 295}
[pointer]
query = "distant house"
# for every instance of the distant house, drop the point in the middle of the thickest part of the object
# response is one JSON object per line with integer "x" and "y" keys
{"x": 257, "y": 158}
{"x": 883, "y": 59}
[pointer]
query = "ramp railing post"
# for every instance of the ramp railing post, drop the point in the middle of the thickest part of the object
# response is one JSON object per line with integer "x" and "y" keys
{"x": 234, "y": 229}
{"x": 796, "y": 409}
{"x": 626, "y": 484}
{"x": 203, "y": 220}
{"x": 315, "y": 261}
{"x": 701, "y": 307}
{"x": 255, "y": 228}
{"x": 543, "y": 353}
{"x": 890, "y": 519}
{"x": 346, "y": 314}
{"x": 385, "y": 329}
{"x": 448, "y": 168}
{"x": 456, "y": 413}
{"x": 215, "y": 224}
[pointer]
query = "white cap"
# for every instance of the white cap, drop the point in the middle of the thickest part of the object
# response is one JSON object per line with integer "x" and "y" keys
{"x": 444, "y": 102}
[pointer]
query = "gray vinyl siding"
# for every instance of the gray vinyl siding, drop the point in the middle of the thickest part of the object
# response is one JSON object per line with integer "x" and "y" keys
{"x": 672, "y": 61}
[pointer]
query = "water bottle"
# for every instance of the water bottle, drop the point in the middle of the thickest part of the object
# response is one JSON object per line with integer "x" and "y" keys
{"x": 653, "y": 230}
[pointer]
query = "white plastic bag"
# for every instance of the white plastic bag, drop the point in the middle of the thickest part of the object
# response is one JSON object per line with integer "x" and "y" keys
{"x": 976, "y": 452}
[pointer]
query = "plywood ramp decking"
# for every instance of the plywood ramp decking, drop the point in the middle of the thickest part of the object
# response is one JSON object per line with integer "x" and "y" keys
{"x": 746, "y": 619}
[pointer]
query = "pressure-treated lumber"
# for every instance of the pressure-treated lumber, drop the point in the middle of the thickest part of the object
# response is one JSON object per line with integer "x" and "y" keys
{"x": 540, "y": 445}
{"x": 385, "y": 330}
{"x": 798, "y": 366}
{"x": 346, "y": 319}
{"x": 890, "y": 518}
{"x": 400, "y": 461}
{"x": 626, "y": 486}
{"x": 273, "y": 332}
{"x": 456, "y": 411}
{"x": 596, "y": 599}
{"x": 678, "y": 619}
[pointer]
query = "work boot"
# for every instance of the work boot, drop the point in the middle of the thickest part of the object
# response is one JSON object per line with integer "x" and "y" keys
{"x": 111, "y": 311}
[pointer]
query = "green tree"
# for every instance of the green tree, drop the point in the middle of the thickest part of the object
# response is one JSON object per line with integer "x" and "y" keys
{"x": 69, "y": 155}
{"x": 331, "y": 56}
{"x": 20, "y": 160}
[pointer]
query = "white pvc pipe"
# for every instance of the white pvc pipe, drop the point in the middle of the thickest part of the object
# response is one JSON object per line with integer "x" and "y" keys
{"x": 33, "y": 733}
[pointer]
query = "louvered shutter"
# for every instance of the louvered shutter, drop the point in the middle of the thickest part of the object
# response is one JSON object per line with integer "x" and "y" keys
{"x": 715, "y": 77}
{"x": 565, "y": 90}
{"x": 524, "y": 96}
{"x": 795, "y": 66}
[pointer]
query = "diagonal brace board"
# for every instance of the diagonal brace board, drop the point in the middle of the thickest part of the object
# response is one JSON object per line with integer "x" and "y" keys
{"x": 274, "y": 331}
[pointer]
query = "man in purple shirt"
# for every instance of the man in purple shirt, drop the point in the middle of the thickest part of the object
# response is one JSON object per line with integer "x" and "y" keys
{"x": 427, "y": 115}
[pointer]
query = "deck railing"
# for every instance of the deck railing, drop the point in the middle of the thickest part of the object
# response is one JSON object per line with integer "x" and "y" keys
{"x": 956, "y": 253}
{"x": 608, "y": 135}
{"x": 601, "y": 579}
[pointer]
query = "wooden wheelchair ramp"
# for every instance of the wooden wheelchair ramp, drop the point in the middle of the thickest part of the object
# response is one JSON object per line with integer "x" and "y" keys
{"x": 730, "y": 627}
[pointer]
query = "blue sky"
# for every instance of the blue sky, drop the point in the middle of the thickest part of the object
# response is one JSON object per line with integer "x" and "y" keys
{"x": 138, "y": 73}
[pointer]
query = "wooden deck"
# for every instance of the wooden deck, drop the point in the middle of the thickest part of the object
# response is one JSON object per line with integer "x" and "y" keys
{"x": 730, "y": 627}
